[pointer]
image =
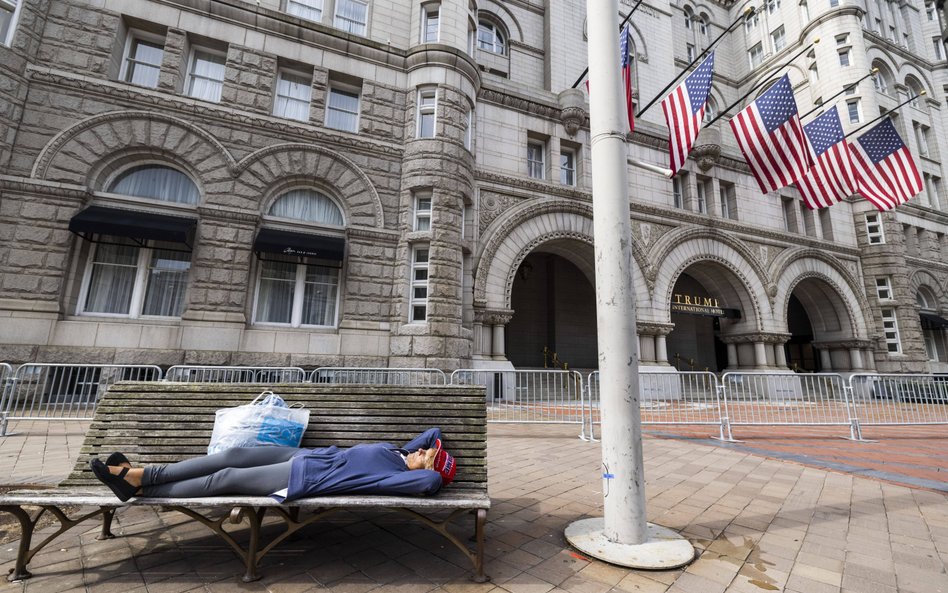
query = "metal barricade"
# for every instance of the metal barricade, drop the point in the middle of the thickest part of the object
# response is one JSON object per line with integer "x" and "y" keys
{"x": 786, "y": 399}
{"x": 63, "y": 391}
{"x": 545, "y": 396}
{"x": 903, "y": 399}
{"x": 378, "y": 376}
{"x": 234, "y": 374}
{"x": 680, "y": 397}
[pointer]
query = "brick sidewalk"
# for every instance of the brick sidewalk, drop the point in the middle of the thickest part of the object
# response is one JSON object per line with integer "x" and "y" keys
{"x": 759, "y": 524}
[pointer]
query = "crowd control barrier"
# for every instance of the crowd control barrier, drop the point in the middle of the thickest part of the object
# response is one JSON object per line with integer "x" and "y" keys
{"x": 378, "y": 376}
{"x": 234, "y": 374}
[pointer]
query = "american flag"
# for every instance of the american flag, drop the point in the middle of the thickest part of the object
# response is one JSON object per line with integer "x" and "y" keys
{"x": 831, "y": 178}
{"x": 885, "y": 170}
{"x": 684, "y": 110}
{"x": 771, "y": 137}
{"x": 625, "y": 61}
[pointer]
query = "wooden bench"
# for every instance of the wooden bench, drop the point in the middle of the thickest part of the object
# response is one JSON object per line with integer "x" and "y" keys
{"x": 165, "y": 422}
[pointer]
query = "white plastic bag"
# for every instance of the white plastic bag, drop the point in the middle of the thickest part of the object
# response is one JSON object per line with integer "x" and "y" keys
{"x": 262, "y": 422}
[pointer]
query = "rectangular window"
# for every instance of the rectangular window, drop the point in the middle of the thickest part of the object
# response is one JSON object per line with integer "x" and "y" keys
{"x": 206, "y": 74}
{"x": 779, "y": 38}
{"x": 705, "y": 190}
{"x": 936, "y": 45}
{"x": 297, "y": 294}
{"x": 890, "y": 327}
{"x": 874, "y": 229}
{"x": 535, "y": 158}
{"x": 352, "y": 16}
{"x": 833, "y": 3}
{"x": 342, "y": 109}
{"x": 423, "y": 211}
{"x": 930, "y": 11}
{"x": 679, "y": 183}
{"x": 418, "y": 303}
{"x": 567, "y": 167}
{"x": 854, "y": 111}
{"x": 728, "y": 196}
{"x": 142, "y": 62}
{"x": 128, "y": 280}
{"x": 936, "y": 193}
{"x": 690, "y": 51}
{"x": 9, "y": 12}
{"x": 293, "y": 92}
{"x": 884, "y": 288}
{"x": 806, "y": 215}
{"x": 427, "y": 108}
{"x": 844, "y": 58}
{"x": 311, "y": 10}
{"x": 756, "y": 55}
{"x": 826, "y": 223}
{"x": 842, "y": 39}
{"x": 469, "y": 129}
{"x": 430, "y": 17}
{"x": 789, "y": 215}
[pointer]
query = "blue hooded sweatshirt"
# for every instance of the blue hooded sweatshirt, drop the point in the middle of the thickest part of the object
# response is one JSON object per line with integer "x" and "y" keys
{"x": 378, "y": 468}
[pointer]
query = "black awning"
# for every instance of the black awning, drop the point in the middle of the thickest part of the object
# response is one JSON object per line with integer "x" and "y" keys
{"x": 134, "y": 224}
{"x": 932, "y": 321}
{"x": 299, "y": 244}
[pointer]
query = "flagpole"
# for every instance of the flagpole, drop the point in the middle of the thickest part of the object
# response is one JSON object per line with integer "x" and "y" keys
{"x": 887, "y": 113}
{"x": 622, "y": 24}
{"x": 853, "y": 85}
{"x": 747, "y": 12}
{"x": 760, "y": 84}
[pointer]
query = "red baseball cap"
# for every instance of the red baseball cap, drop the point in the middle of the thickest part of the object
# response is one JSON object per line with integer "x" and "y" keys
{"x": 444, "y": 464}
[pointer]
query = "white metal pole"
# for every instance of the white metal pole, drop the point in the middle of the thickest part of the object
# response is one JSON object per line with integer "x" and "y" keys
{"x": 623, "y": 474}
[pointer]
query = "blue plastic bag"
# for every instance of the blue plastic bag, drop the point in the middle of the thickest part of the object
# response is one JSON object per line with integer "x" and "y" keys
{"x": 262, "y": 422}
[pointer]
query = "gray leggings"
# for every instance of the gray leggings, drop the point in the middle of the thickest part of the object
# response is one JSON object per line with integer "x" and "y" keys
{"x": 254, "y": 471}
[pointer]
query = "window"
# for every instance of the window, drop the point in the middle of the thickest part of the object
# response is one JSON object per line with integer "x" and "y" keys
{"x": 789, "y": 215}
{"x": 930, "y": 11}
{"x": 878, "y": 28}
{"x": 751, "y": 22}
{"x": 878, "y": 81}
{"x": 884, "y": 288}
{"x": 728, "y": 197}
{"x": 156, "y": 182}
{"x": 874, "y": 230}
{"x": 142, "y": 62}
{"x": 936, "y": 193}
{"x": 418, "y": 303}
{"x": 833, "y": 3}
{"x": 689, "y": 17}
{"x": 491, "y": 38}
{"x": 806, "y": 215}
{"x": 703, "y": 26}
{"x": 690, "y": 51}
{"x": 430, "y": 17}
{"x": 124, "y": 278}
{"x": 9, "y": 12}
{"x": 921, "y": 138}
{"x": 567, "y": 167}
{"x": 311, "y": 10}
{"x": 826, "y": 223}
{"x": 756, "y": 55}
{"x": 844, "y": 58}
{"x": 296, "y": 292}
{"x": 293, "y": 91}
{"x": 679, "y": 183}
{"x": 352, "y": 16}
{"x": 342, "y": 109}
{"x": 814, "y": 73}
{"x": 804, "y": 11}
{"x": 427, "y": 104}
{"x": 936, "y": 45}
{"x": 309, "y": 206}
{"x": 779, "y": 38}
{"x": 422, "y": 211}
{"x": 705, "y": 192}
{"x": 469, "y": 129}
{"x": 890, "y": 327}
{"x": 842, "y": 39}
{"x": 772, "y": 6}
{"x": 206, "y": 75}
{"x": 854, "y": 111}
{"x": 535, "y": 165}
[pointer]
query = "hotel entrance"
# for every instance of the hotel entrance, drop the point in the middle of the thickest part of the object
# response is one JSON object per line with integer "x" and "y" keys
{"x": 698, "y": 315}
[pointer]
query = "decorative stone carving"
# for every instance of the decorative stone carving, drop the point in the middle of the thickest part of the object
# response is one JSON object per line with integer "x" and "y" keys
{"x": 493, "y": 316}
{"x": 755, "y": 337}
{"x": 572, "y": 110}
{"x": 707, "y": 151}
{"x": 492, "y": 205}
{"x": 654, "y": 329}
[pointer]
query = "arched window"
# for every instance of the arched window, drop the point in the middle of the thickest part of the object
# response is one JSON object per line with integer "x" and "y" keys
{"x": 689, "y": 17}
{"x": 926, "y": 299}
{"x": 309, "y": 206}
{"x": 710, "y": 109}
{"x": 882, "y": 81}
{"x": 491, "y": 38}
{"x": 156, "y": 182}
{"x": 915, "y": 89}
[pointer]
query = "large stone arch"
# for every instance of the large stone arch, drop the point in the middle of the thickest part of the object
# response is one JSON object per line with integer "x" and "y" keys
{"x": 927, "y": 279}
{"x": 839, "y": 313}
{"x": 275, "y": 166}
{"x": 681, "y": 249}
{"x": 511, "y": 238}
{"x": 118, "y": 136}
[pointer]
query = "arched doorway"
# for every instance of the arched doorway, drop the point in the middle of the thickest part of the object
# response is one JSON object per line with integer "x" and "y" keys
{"x": 934, "y": 328}
{"x": 801, "y": 356}
{"x": 820, "y": 328}
{"x": 700, "y": 311}
{"x": 554, "y": 303}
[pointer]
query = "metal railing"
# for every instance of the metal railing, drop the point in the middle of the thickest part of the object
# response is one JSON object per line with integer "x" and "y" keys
{"x": 63, "y": 391}
{"x": 889, "y": 399}
{"x": 378, "y": 376}
{"x": 685, "y": 398}
{"x": 547, "y": 396}
{"x": 234, "y": 374}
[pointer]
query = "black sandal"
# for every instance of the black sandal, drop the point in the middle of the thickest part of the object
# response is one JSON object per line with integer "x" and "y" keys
{"x": 116, "y": 459}
{"x": 116, "y": 483}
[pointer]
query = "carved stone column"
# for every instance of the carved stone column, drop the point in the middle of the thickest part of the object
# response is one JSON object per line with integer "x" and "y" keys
{"x": 496, "y": 320}
{"x": 657, "y": 334}
{"x": 826, "y": 361}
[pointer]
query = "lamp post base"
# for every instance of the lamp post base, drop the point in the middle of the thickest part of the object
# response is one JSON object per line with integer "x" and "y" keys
{"x": 663, "y": 550}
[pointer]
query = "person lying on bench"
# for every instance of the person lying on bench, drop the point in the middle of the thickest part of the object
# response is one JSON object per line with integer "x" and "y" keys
{"x": 422, "y": 466}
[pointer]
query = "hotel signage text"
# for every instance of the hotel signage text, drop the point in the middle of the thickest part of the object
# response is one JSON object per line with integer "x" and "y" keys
{"x": 701, "y": 305}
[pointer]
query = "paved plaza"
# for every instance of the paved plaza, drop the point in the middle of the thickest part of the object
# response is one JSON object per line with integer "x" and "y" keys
{"x": 764, "y": 515}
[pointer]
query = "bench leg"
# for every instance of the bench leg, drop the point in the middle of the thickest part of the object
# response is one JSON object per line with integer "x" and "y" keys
{"x": 480, "y": 521}
{"x": 255, "y": 516}
{"x": 23, "y": 556}
{"x": 107, "y": 514}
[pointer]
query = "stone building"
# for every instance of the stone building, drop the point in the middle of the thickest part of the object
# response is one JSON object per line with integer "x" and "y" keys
{"x": 368, "y": 183}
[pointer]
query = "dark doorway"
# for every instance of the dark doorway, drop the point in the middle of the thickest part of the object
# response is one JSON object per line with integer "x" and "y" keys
{"x": 801, "y": 356}
{"x": 695, "y": 343}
